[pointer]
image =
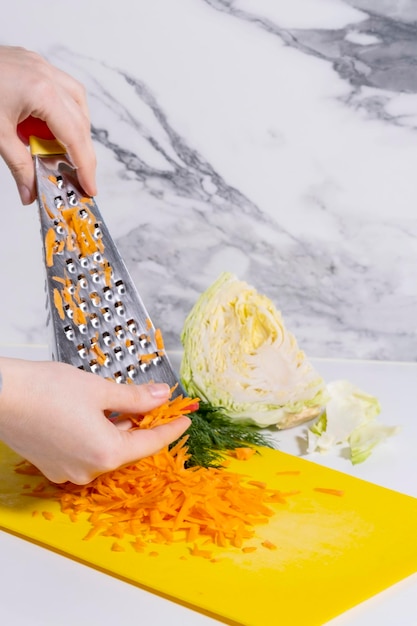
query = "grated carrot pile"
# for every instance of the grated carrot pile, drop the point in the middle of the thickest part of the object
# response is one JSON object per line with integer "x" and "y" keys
{"x": 158, "y": 500}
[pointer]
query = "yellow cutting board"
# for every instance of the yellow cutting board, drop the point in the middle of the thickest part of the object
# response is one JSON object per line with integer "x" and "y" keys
{"x": 333, "y": 552}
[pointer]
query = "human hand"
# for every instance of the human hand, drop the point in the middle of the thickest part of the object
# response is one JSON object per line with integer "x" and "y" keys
{"x": 29, "y": 85}
{"x": 53, "y": 414}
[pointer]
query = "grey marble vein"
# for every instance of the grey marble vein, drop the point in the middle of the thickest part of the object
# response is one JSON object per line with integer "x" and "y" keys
{"x": 389, "y": 63}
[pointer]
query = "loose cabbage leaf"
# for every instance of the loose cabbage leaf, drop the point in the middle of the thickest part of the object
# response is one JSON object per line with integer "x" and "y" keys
{"x": 349, "y": 419}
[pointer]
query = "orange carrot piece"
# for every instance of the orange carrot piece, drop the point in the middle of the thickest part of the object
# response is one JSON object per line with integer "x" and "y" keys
{"x": 60, "y": 246}
{"x": 79, "y": 316}
{"x": 68, "y": 214}
{"x": 92, "y": 533}
{"x": 67, "y": 297}
{"x": 193, "y": 533}
{"x": 146, "y": 357}
{"x": 50, "y": 214}
{"x": 269, "y": 545}
{"x": 330, "y": 492}
{"x": 50, "y": 247}
{"x": 159, "y": 339}
{"x": 101, "y": 357}
{"x": 257, "y": 483}
{"x": 244, "y": 454}
{"x": 108, "y": 273}
{"x": 58, "y": 279}
{"x": 69, "y": 242}
{"x": 58, "y": 303}
{"x": 138, "y": 545}
{"x": 286, "y": 494}
{"x": 77, "y": 296}
{"x": 48, "y": 515}
{"x": 206, "y": 554}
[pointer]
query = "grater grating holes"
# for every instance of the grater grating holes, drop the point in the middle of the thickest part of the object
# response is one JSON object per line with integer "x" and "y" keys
{"x": 99, "y": 313}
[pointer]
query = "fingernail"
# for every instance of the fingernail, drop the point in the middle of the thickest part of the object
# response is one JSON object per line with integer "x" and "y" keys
{"x": 160, "y": 390}
{"x": 25, "y": 194}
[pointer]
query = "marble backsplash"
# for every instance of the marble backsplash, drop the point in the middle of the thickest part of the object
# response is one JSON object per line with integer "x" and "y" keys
{"x": 272, "y": 139}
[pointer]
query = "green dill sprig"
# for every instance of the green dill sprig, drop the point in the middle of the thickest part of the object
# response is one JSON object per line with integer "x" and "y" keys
{"x": 211, "y": 434}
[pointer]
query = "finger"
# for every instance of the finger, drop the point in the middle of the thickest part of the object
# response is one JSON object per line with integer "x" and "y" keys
{"x": 77, "y": 140}
{"x": 134, "y": 398}
{"x": 72, "y": 128}
{"x": 137, "y": 444}
{"x": 123, "y": 423}
{"x": 84, "y": 159}
{"x": 128, "y": 447}
{"x": 19, "y": 161}
{"x": 75, "y": 89}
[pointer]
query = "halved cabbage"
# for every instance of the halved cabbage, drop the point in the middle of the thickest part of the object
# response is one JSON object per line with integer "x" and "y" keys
{"x": 238, "y": 355}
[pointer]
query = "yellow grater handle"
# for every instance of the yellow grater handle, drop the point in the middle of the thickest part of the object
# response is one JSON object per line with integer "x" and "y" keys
{"x": 45, "y": 147}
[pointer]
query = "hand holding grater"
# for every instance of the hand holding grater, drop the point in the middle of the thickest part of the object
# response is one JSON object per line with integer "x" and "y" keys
{"x": 98, "y": 319}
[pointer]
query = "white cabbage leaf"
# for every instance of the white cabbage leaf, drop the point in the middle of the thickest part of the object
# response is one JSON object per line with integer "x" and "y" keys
{"x": 238, "y": 355}
{"x": 349, "y": 420}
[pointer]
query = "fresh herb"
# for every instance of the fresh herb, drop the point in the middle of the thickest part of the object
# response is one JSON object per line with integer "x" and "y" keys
{"x": 211, "y": 434}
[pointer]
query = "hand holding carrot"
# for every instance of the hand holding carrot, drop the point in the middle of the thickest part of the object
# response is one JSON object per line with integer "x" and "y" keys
{"x": 29, "y": 85}
{"x": 54, "y": 415}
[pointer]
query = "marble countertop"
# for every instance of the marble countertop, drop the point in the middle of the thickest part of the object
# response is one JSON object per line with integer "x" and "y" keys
{"x": 275, "y": 140}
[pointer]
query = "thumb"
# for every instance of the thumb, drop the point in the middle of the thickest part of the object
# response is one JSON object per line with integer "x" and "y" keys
{"x": 19, "y": 161}
{"x": 137, "y": 444}
{"x": 134, "y": 398}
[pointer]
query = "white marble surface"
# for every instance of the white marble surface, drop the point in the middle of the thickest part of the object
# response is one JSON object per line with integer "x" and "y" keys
{"x": 273, "y": 139}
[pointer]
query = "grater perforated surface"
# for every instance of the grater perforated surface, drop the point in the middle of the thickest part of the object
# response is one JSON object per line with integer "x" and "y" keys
{"x": 98, "y": 319}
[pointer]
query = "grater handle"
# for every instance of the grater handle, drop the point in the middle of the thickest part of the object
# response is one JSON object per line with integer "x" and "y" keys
{"x": 33, "y": 126}
{"x": 37, "y": 135}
